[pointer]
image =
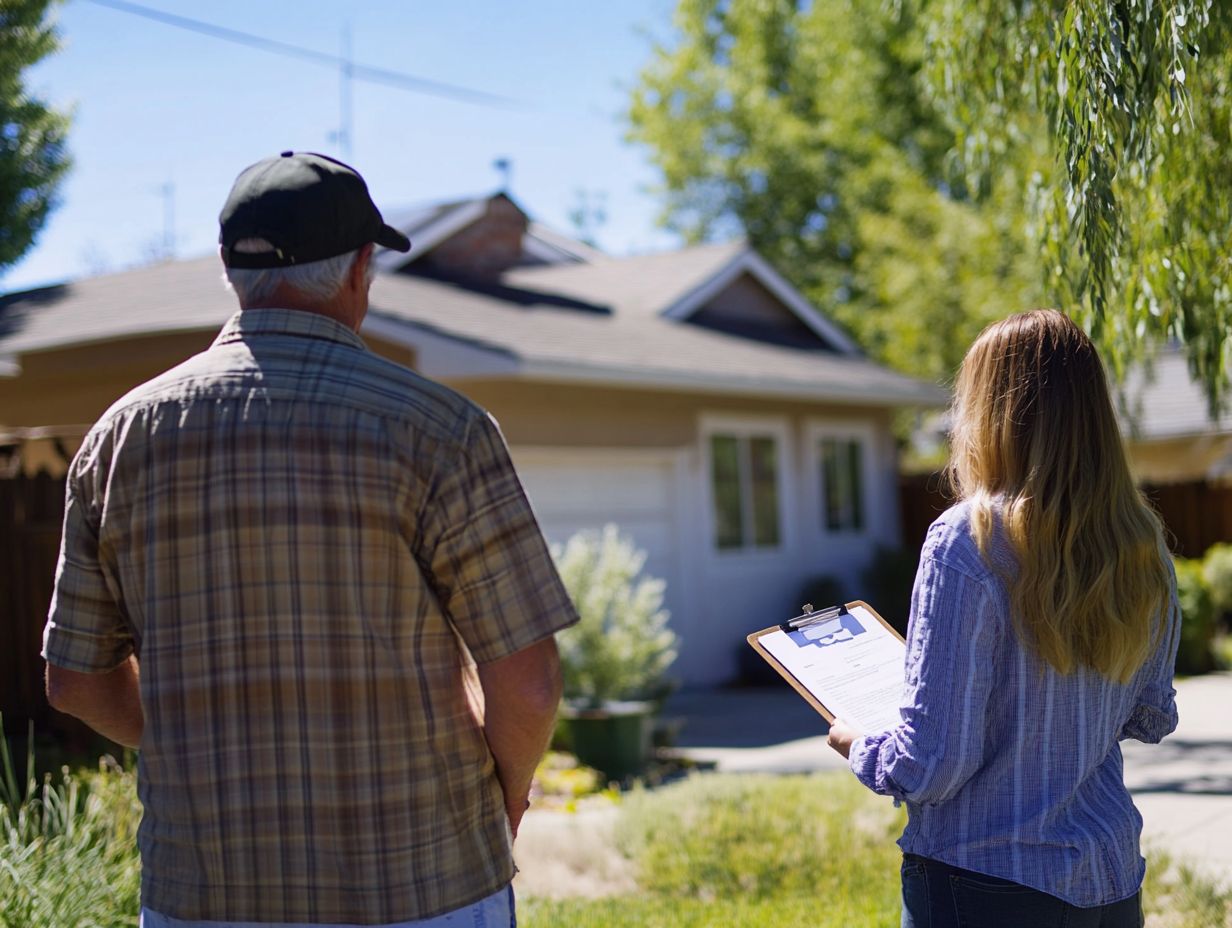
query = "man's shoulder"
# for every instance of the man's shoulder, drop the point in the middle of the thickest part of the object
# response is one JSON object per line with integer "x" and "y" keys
{"x": 361, "y": 380}
{"x": 405, "y": 395}
{"x": 152, "y": 391}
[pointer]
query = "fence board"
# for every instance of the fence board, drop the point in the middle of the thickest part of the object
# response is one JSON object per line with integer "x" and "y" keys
{"x": 1196, "y": 514}
{"x": 31, "y": 513}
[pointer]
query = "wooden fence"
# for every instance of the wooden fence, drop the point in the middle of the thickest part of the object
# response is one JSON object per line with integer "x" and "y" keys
{"x": 31, "y": 512}
{"x": 1196, "y": 514}
{"x": 921, "y": 498}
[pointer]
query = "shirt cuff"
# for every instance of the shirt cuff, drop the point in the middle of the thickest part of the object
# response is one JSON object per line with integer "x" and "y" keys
{"x": 1149, "y": 724}
{"x": 84, "y": 652}
{"x": 865, "y": 761}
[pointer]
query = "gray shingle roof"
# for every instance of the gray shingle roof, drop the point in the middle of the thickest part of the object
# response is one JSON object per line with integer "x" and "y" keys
{"x": 593, "y": 322}
{"x": 1164, "y": 402}
{"x": 641, "y": 284}
{"x": 171, "y": 297}
{"x": 620, "y": 344}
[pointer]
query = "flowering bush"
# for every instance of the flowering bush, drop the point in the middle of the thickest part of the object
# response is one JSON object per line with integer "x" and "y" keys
{"x": 622, "y": 647}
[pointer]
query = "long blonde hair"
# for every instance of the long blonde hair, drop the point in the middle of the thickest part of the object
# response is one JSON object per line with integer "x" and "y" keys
{"x": 1036, "y": 444}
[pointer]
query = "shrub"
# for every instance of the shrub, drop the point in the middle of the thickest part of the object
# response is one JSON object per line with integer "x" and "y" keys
{"x": 622, "y": 647}
{"x": 1196, "y": 651}
{"x": 1217, "y": 571}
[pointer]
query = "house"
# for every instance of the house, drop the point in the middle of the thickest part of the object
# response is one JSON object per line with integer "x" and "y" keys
{"x": 1169, "y": 432}
{"x": 1180, "y": 454}
{"x": 694, "y": 398}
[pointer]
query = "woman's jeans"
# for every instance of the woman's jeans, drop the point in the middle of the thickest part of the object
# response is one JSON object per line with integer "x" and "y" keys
{"x": 936, "y": 895}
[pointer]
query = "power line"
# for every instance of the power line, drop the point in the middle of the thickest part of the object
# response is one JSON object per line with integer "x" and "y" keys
{"x": 361, "y": 72}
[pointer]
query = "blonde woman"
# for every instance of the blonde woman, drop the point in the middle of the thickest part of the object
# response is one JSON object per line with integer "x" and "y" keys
{"x": 1043, "y": 631}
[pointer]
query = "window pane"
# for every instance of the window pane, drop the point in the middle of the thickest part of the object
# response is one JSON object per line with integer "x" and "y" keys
{"x": 855, "y": 478}
{"x": 842, "y": 484}
{"x": 831, "y": 485}
{"x": 725, "y": 479}
{"x": 764, "y": 458}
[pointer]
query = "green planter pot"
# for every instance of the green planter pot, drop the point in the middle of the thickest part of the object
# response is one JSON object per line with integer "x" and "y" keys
{"x": 613, "y": 738}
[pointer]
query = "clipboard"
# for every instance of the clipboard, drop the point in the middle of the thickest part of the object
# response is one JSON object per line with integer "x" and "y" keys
{"x": 808, "y": 617}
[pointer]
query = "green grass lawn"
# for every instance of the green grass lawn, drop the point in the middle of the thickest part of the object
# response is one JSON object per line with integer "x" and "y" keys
{"x": 809, "y": 851}
{"x": 738, "y": 851}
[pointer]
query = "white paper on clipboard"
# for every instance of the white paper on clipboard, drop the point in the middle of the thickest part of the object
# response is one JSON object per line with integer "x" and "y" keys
{"x": 851, "y": 663}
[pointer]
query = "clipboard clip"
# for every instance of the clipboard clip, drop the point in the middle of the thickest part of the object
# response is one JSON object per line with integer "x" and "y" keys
{"x": 812, "y": 617}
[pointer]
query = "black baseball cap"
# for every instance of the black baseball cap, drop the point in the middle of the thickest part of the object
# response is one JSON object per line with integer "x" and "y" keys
{"x": 308, "y": 206}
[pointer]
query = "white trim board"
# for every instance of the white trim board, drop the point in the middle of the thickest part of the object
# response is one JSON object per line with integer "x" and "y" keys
{"x": 438, "y": 356}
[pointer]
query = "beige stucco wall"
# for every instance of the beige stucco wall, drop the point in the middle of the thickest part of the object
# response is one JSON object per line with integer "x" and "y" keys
{"x": 1180, "y": 460}
{"x": 556, "y": 415}
{"x": 75, "y": 386}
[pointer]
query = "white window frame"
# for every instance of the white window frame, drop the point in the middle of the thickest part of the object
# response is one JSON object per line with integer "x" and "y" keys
{"x": 815, "y": 505}
{"x": 746, "y": 427}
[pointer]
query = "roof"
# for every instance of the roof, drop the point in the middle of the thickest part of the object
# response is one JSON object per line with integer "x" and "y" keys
{"x": 609, "y": 321}
{"x": 430, "y": 224}
{"x": 174, "y": 296}
{"x": 1162, "y": 401}
{"x": 644, "y": 285}
{"x": 556, "y": 340}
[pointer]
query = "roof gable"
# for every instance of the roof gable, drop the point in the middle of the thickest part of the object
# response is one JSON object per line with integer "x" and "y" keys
{"x": 748, "y": 264}
{"x": 747, "y": 308}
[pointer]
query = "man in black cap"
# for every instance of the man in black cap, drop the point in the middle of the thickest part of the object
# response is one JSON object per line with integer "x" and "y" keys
{"x": 280, "y": 559}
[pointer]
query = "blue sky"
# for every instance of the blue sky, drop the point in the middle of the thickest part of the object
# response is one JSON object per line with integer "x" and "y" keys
{"x": 155, "y": 105}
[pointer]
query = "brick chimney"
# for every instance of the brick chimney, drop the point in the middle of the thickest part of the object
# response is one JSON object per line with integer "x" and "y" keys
{"x": 483, "y": 250}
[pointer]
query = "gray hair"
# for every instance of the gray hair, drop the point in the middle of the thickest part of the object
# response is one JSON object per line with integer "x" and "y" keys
{"x": 318, "y": 280}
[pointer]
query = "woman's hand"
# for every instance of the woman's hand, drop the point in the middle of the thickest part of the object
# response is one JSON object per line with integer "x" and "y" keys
{"x": 840, "y": 737}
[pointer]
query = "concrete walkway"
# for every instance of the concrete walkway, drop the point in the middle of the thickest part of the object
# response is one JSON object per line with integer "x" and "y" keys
{"x": 1182, "y": 787}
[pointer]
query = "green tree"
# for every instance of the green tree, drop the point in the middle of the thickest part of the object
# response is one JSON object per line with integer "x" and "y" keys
{"x": 1136, "y": 102}
{"x": 33, "y": 153}
{"x": 808, "y": 128}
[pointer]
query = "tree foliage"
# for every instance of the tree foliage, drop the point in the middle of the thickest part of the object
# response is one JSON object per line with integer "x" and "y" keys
{"x": 919, "y": 166}
{"x": 1136, "y": 101}
{"x": 33, "y": 152}
{"x": 809, "y": 129}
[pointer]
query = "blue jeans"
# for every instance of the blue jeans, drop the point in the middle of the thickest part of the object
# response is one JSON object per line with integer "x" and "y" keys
{"x": 936, "y": 895}
{"x": 495, "y": 911}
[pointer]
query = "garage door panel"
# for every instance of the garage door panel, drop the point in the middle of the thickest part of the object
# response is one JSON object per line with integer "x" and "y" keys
{"x": 587, "y": 492}
{"x": 598, "y": 487}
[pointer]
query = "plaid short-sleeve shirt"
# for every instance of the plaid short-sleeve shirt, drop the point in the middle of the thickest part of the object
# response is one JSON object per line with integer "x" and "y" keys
{"x": 294, "y": 536}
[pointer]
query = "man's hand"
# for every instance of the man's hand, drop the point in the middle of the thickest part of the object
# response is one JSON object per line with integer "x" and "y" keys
{"x": 841, "y": 736}
{"x": 110, "y": 702}
{"x": 515, "y": 811}
{"x": 520, "y": 693}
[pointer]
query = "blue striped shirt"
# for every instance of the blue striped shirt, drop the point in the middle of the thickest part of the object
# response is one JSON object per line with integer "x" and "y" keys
{"x": 1007, "y": 767}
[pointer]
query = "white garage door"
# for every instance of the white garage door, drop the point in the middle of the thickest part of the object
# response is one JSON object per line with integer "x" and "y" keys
{"x": 574, "y": 491}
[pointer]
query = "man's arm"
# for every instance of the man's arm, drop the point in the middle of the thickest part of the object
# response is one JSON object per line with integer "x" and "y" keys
{"x": 521, "y": 693}
{"x": 110, "y": 702}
